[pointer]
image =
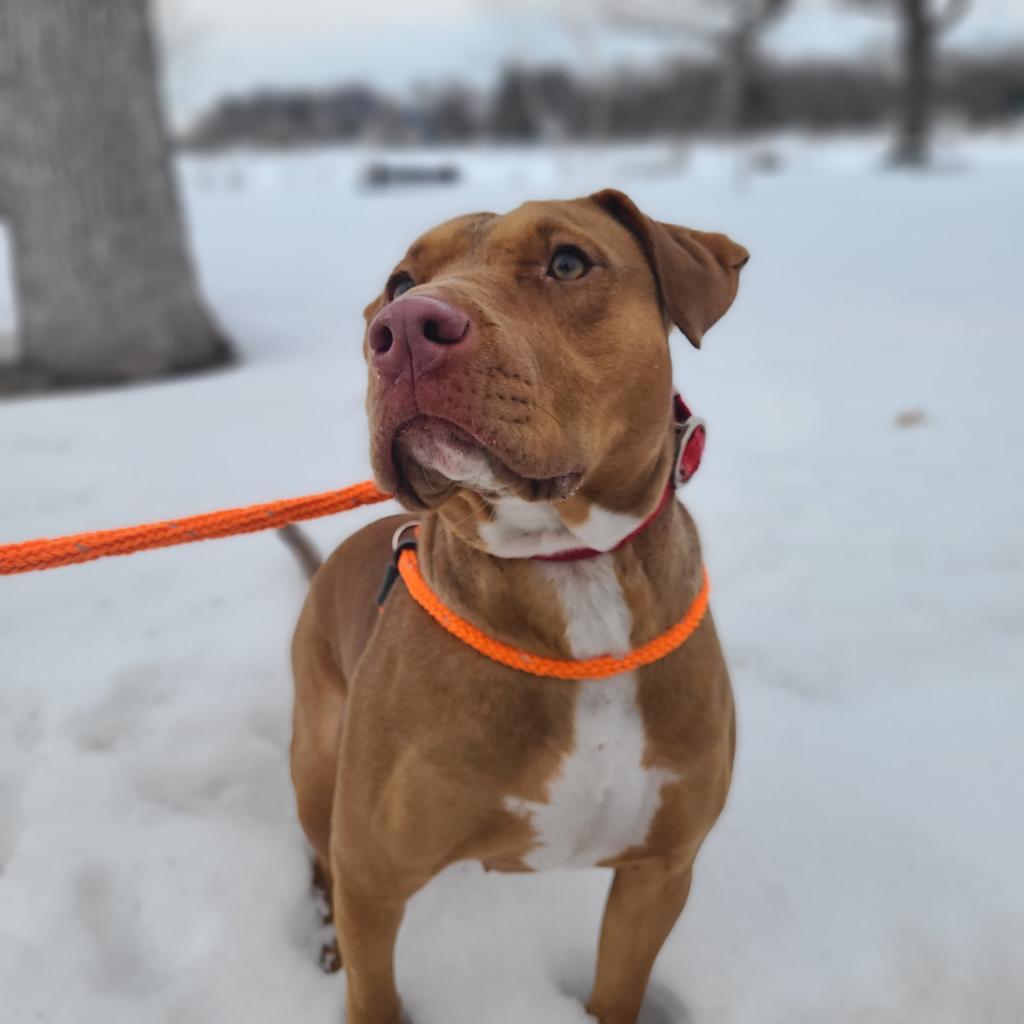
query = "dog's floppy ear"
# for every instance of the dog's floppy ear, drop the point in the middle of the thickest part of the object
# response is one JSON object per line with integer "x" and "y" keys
{"x": 697, "y": 272}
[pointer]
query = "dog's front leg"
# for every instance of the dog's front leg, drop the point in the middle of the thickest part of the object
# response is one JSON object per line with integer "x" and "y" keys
{"x": 367, "y": 923}
{"x": 643, "y": 905}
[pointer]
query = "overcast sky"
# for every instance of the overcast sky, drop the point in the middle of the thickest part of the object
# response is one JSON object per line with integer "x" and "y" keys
{"x": 218, "y": 46}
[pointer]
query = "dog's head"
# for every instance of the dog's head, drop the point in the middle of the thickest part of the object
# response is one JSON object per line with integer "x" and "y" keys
{"x": 525, "y": 356}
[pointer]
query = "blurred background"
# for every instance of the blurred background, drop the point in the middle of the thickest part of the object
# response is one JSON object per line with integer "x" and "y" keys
{"x": 197, "y": 200}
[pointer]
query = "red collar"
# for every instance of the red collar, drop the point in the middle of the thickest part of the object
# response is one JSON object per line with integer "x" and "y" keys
{"x": 690, "y": 436}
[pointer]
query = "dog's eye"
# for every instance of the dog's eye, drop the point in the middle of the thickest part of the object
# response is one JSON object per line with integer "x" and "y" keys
{"x": 399, "y": 285}
{"x": 568, "y": 264}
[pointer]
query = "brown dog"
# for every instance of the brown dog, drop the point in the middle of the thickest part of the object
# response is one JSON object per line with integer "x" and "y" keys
{"x": 520, "y": 400}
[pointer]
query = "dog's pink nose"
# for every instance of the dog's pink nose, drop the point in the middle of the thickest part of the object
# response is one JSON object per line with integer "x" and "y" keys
{"x": 415, "y": 334}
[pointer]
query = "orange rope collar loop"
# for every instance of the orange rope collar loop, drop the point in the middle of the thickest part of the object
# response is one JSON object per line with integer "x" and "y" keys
{"x": 534, "y": 664}
{"x": 84, "y": 547}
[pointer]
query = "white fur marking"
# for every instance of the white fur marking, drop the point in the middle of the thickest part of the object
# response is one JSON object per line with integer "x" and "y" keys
{"x": 458, "y": 464}
{"x": 522, "y": 529}
{"x": 603, "y": 529}
{"x": 603, "y": 800}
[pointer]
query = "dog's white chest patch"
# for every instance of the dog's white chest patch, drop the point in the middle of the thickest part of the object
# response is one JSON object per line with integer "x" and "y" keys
{"x": 603, "y": 799}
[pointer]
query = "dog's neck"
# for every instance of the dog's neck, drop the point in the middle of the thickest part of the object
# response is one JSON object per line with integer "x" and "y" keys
{"x": 500, "y": 584}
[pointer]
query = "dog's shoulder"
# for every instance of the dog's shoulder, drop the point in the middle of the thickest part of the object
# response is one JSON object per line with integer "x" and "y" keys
{"x": 341, "y": 605}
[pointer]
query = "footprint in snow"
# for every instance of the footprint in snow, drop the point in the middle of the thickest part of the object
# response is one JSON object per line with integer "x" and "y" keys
{"x": 117, "y": 718}
{"x": 110, "y": 913}
{"x": 21, "y": 730}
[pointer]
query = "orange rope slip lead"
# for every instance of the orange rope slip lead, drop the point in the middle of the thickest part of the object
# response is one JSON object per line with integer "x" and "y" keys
{"x": 51, "y": 553}
{"x": 535, "y": 664}
{"x": 84, "y": 547}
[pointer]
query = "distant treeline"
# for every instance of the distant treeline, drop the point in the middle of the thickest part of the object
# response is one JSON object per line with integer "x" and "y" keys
{"x": 545, "y": 104}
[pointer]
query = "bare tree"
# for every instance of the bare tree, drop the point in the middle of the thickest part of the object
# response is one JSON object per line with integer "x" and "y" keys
{"x": 922, "y": 23}
{"x": 731, "y": 29}
{"x": 104, "y": 284}
{"x": 583, "y": 28}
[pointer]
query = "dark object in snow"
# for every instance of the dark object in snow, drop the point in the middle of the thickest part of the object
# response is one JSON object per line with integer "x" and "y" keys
{"x": 384, "y": 175}
{"x": 907, "y": 418}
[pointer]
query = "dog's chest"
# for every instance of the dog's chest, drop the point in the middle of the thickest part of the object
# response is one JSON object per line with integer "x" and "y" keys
{"x": 602, "y": 799}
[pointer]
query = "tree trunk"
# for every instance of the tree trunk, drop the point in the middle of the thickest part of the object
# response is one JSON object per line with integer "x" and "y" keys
{"x": 104, "y": 284}
{"x": 912, "y": 145}
{"x": 736, "y": 67}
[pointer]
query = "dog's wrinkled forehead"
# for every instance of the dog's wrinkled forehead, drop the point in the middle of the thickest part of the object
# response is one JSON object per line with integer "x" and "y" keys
{"x": 529, "y": 232}
{"x": 454, "y": 240}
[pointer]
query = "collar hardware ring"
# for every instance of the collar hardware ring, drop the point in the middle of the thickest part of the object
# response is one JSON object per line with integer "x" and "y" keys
{"x": 398, "y": 545}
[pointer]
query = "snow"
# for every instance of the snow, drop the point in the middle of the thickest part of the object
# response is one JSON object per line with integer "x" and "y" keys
{"x": 867, "y": 582}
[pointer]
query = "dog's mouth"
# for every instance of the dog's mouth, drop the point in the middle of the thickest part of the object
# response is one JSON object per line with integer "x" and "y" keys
{"x": 434, "y": 457}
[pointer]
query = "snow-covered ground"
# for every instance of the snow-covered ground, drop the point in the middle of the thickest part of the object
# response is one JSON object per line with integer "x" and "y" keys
{"x": 869, "y": 586}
